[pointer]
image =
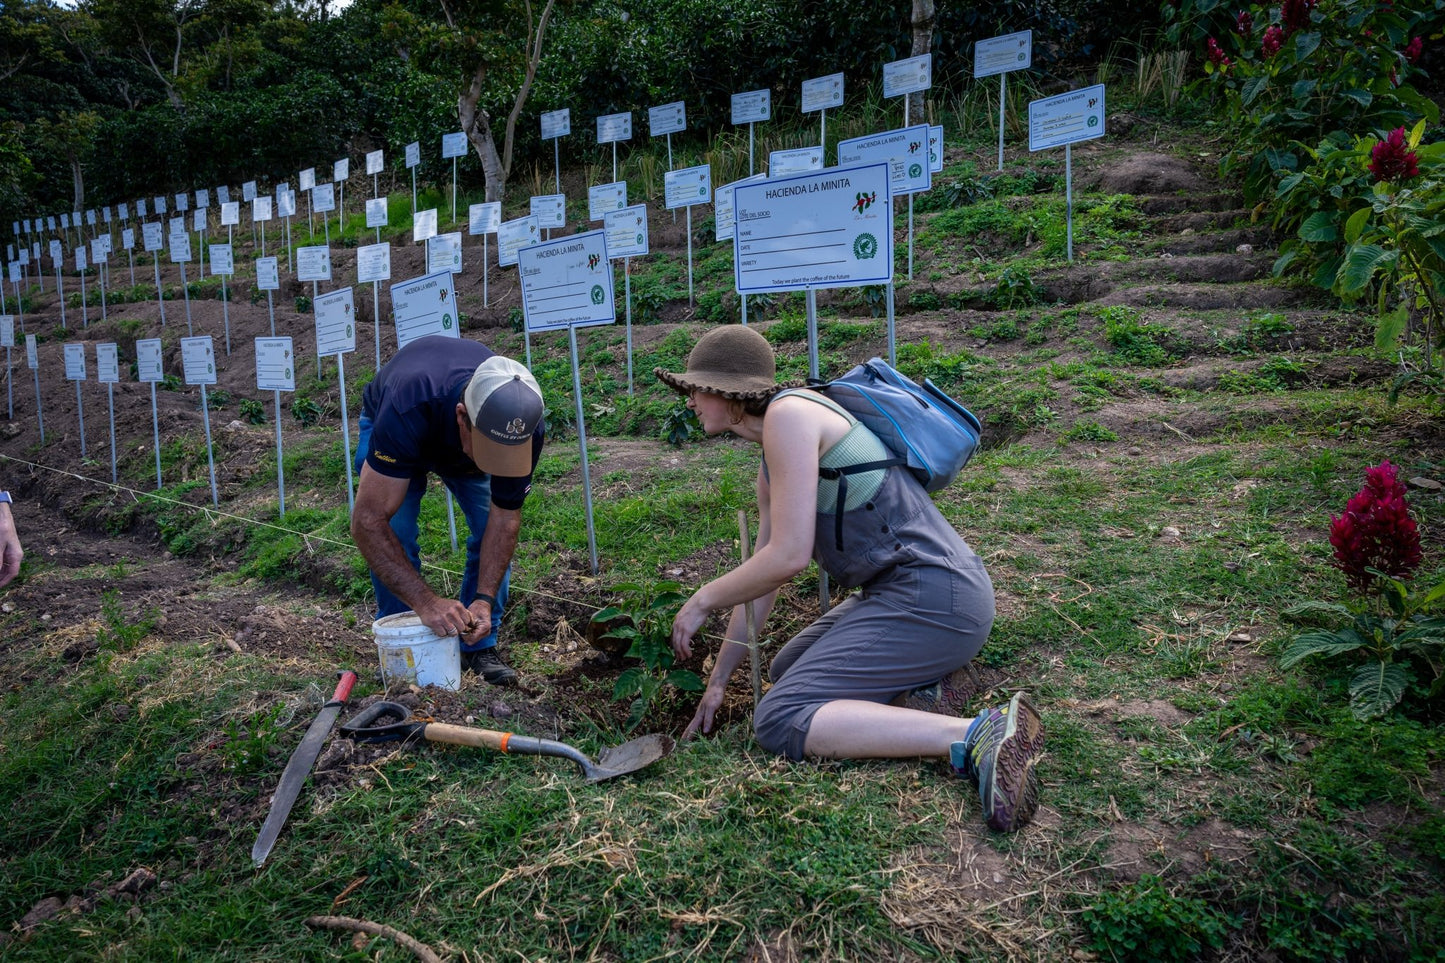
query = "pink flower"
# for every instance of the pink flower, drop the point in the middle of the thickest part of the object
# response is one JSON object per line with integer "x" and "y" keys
{"x": 1244, "y": 23}
{"x": 1216, "y": 55}
{"x": 1392, "y": 160}
{"x": 1413, "y": 49}
{"x": 1376, "y": 531}
{"x": 1296, "y": 14}
{"x": 1273, "y": 40}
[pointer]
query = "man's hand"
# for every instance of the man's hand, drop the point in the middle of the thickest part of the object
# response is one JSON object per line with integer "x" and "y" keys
{"x": 448, "y": 617}
{"x": 481, "y": 613}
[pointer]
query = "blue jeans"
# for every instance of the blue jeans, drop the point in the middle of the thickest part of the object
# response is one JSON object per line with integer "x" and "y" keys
{"x": 474, "y": 495}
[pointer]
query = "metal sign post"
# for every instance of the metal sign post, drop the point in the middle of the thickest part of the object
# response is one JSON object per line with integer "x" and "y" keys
{"x": 749, "y": 108}
{"x": 148, "y": 369}
{"x": 199, "y": 362}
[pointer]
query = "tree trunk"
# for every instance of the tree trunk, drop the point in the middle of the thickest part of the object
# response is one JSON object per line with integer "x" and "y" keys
{"x": 924, "y": 17}
{"x": 79, "y": 177}
{"x": 477, "y": 125}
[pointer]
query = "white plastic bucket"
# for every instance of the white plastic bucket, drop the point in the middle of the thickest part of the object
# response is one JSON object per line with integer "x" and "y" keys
{"x": 410, "y": 652}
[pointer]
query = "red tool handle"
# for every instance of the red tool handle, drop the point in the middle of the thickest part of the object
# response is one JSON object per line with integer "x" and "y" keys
{"x": 343, "y": 687}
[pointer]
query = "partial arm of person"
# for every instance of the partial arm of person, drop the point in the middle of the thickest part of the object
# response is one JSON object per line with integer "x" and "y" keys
{"x": 10, "y": 553}
{"x": 499, "y": 543}
{"x": 787, "y": 507}
{"x": 378, "y": 497}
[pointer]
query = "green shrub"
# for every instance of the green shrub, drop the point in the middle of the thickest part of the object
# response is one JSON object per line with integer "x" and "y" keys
{"x": 1144, "y": 921}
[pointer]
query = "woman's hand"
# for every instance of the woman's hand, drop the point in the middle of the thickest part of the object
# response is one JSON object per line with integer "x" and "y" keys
{"x": 706, "y": 710}
{"x": 688, "y": 622}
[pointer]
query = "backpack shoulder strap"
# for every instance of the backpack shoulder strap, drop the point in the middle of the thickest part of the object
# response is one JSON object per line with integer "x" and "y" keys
{"x": 818, "y": 398}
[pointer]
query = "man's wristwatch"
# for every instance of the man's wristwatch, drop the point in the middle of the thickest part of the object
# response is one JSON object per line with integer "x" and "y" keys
{"x": 484, "y": 597}
{"x": 5, "y": 498}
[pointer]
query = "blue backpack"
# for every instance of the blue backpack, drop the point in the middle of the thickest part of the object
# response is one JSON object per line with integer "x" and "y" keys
{"x": 924, "y": 429}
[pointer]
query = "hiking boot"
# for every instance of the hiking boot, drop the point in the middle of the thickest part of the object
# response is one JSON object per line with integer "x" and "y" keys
{"x": 948, "y": 696}
{"x": 1000, "y": 751}
{"x": 488, "y": 664}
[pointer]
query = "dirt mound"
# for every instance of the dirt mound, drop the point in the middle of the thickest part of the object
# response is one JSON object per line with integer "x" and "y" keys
{"x": 1145, "y": 174}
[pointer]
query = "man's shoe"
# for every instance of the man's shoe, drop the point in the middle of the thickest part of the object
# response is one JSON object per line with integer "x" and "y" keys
{"x": 488, "y": 664}
{"x": 1001, "y": 751}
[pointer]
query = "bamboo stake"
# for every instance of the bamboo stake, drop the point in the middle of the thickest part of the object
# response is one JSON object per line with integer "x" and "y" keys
{"x": 753, "y": 653}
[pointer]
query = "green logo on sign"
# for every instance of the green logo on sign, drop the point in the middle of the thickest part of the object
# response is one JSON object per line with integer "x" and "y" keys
{"x": 288, "y": 374}
{"x": 915, "y": 170}
{"x": 446, "y": 322}
{"x": 1093, "y": 122}
{"x": 348, "y": 330}
{"x": 702, "y": 192}
{"x": 865, "y": 246}
{"x": 598, "y": 294}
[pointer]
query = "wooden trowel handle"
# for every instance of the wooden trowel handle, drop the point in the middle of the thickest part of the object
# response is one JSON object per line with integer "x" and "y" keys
{"x": 467, "y": 736}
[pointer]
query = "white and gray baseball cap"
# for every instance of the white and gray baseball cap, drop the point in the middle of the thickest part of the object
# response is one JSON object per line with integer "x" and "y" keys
{"x": 505, "y": 405}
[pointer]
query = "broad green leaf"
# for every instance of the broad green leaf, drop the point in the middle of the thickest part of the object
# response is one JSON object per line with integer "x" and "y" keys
{"x": 627, "y": 588}
{"x": 1362, "y": 97}
{"x": 1360, "y": 264}
{"x": 1319, "y": 227}
{"x": 1389, "y": 327}
{"x": 1377, "y": 687}
{"x": 629, "y": 683}
{"x": 1417, "y": 133}
{"x": 1284, "y": 261}
{"x": 667, "y": 587}
{"x": 1288, "y": 184}
{"x": 685, "y": 680}
{"x": 1253, "y": 87}
{"x": 1434, "y": 595}
{"x": 607, "y": 614}
{"x": 1324, "y": 276}
{"x": 624, "y": 632}
{"x": 1316, "y": 608}
{"x": 1305, "y": 44}
{"x": 1319, "y": 643}
{"x": 1356, "y": 223}
{"x": 1303, "y": 88}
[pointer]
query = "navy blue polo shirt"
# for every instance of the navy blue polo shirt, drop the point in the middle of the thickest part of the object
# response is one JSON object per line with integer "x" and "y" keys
{"x": 412, "y": 403}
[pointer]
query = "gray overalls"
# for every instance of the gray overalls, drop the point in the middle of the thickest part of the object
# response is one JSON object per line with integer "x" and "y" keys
{"x": 925, "y": 609}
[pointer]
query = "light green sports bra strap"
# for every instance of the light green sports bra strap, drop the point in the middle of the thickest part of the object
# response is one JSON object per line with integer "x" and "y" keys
{"x": 818, "y": 399}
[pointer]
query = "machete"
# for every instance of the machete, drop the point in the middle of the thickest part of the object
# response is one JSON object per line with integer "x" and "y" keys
{"x": 299, "y": 768}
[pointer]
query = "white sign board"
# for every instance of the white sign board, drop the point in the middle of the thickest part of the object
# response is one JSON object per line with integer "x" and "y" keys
{"x": 667, "y": 119}
{"x": 614, "y": 127}
{"x": 107, "y": 363}
{"x": 424, "y": 306}
{"x": 313, "y": 263}
{"x": 159, "y": 204}
{"x": 424, "y": 225}
{"x": 822, "y": 92}
{"x": 829, "y": 229}
{"x": 374, "y": 161}
{"x": 286, "y": 204}
{"x": 323, "y": 198}
{"x": 230, "y": 213}
{"x": 275, "y": 366}
{"x": 223, "y": 195}
{"x": 444, "y": 253}
{"x": 268, "y": 274}
{"x": 32, "y": 356}
{"x": 221, "y": 258}
{"x": 484, "y": 218}
{"x": 261, "y": 209}
{"x": 341, "y": 170}
{"x": 154, "y": 236}
{"x": 567, "y": 283}
{"x": 413, "y": 154}
{"x": 550, "y": 210}
{"x": 556, "y": 123}
{"x": 180, "y": 245}
{"x": 689, "y": 186}
{"x": 335, "y": 322}
{"x": 198, "y": 219}
{"x": 796, "y": 161}
{"x": 248, "y": 191}
{"x": 1066, "y": 118}
{"x": 148, "y": 360}
{"x": 753, "y": 106}
{"x": 75, "y": 362}
{"x": 935, "y": 148}
{"x": 373, "y": 262}
{"x": 514, "y": 235}
{"x": 603, "y": 198}
{"x": 183, "y": 201}
{"x": 127, "y": 238}
{"x": 908, "y": 76}
{"x": 376, "y": 213}
{"x": 203, "y": 199}
{"x": 7, "y": 330}
{"x": 198, "y": 360}
{"x": 906, "y": 149}
{"x": 454, "y": 145}
{"x": 1001, "y": 55}
{"x": 81, "y": 263}
{"x": 626, "y": 231}
{"x": 307, "y": 179}
{"x": 178, "y": 225}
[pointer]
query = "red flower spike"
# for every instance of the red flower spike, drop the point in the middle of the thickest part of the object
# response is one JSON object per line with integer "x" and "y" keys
{"x": 1376, "y": 532}
{"x": 1392, "y": 160}
{"x": 1272, "y": 42}
{"x": 1244, "y": 23}
{"x": 1216, "y": 55}
{"x": 1414, "y": 49}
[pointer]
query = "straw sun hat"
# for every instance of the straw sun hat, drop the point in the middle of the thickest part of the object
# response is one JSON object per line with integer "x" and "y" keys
{"x": 733, "y": 361}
